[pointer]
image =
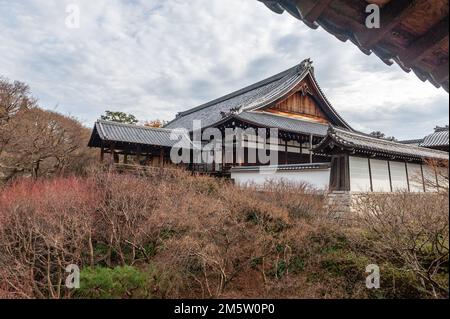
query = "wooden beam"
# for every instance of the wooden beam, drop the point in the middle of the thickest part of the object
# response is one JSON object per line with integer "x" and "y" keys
{"x": 391, "y": 15}
{"x": 426, "y": 43}
{"x": 313, "y": 13}
{"x": 426, "y": 51}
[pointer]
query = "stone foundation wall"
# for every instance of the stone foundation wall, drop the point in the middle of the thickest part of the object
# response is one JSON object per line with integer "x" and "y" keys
{"x": 339, "y": 203}
{"x": 345, "y": 203}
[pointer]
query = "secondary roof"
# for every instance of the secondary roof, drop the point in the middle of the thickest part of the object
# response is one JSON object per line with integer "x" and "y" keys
{"x": 363, "y": 143}
{"x": 106, "y": 131}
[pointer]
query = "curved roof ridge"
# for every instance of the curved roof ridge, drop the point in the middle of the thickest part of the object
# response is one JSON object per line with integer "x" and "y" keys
{"x": 279, "y": 91}
{"x": 316, "y": 84}
{"x": 246, "y": 89}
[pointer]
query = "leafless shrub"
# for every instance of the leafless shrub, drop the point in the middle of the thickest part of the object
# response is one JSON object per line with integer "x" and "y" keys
{"x": 211, "y": 238}
{"x": 44, "y": 227}
{"x": 438, "y": 179}
{"x": 412, "y": 231}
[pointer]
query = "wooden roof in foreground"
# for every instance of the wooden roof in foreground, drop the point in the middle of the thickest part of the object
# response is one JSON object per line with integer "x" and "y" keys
{"x": 413, "y": 33}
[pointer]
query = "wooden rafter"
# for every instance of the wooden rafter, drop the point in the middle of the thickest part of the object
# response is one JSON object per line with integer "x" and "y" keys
{"x": 391, "y": 15}
{"x": 441, "y": 73}
{"x": 313, "y": 13}
{"x": 400, "y": 38}
{"x": 427, "y": 43}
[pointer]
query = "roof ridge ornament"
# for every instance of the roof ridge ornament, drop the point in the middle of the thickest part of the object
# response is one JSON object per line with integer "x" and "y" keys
{"x": 441, "y": 128}
{"x": 331, "y": 129}
{"x": 304, "y": 66}
{"x": 232, "y": 111}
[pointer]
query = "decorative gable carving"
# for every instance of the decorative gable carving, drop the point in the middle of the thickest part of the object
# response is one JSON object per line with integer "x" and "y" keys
{"x": 301, "y": 103}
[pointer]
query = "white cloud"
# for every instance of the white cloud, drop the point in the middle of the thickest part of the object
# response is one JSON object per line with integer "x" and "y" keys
{"x": 155, "y": 58}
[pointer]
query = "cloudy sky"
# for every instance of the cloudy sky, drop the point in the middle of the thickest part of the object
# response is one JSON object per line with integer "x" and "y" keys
{"x": 154, "y": 58}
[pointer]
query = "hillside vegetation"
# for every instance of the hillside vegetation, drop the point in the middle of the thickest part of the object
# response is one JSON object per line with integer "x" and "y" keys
{"x": 169, "y": 235}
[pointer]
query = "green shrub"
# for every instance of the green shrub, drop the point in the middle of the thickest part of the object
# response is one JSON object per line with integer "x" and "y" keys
{"x": 111, "y": 283}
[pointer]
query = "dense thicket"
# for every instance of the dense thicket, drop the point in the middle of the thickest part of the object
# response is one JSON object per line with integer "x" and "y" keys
{"x": 36, "y": 142}
{"x": 169, "y": 234}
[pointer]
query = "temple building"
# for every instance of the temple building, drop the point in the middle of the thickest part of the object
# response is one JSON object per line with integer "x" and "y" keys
{"x": 313, "y": 143}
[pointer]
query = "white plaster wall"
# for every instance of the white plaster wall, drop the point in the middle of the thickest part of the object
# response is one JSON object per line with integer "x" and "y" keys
{"x": 398, "y": 175}
{"x": 380, "y": 175}
{"x": 359, "y": 174}
{"x": 429, "y": 175}
{"x": 415, "y": 177}
{"x": 317, "y": 178}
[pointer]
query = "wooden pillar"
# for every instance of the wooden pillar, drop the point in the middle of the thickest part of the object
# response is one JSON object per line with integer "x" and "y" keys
{"x": 390, "y": 175}
{"x": 125, "y": 158}
{"x": 223, "y": 157}
{"x": 340, "y": 173}
{"x": 285, "y": 152}
{"x": 161, "y": 158}
{"x": 102, "y": 153}
{"x": 138, "y": 155}
{"x": 310, "y": 148}
{"x": 423, "y": 178}
{"x": 407, "y": 177}
{"x": 301, "y": 148}
{"x": 370, "y": 175}
{"x": 113, "y": 152}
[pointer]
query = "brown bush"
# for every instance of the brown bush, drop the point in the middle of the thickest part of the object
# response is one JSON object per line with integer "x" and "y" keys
{"x": 205, "y": 237}
{"x": 412, "y": 232}
{"x": 44, "y": 226}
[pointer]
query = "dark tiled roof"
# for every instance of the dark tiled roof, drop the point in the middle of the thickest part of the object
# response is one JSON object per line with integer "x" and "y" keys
{"x": 286, "y": 167}
{"x": 412, "y": 142}
{"x": 136, "y": 134}
{"x": 439, "y": 138}
{"x": 368, "y": 144}
{"x": 250, "y": 98}
{"x": 283, "y": 123}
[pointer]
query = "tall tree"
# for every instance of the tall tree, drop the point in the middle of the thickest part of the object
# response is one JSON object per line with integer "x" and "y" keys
{"x": 35, "y": 142}
{"x": 44, "y": 143}
{"x": 14, "y": 96}
{"x": 120, "y": 117}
